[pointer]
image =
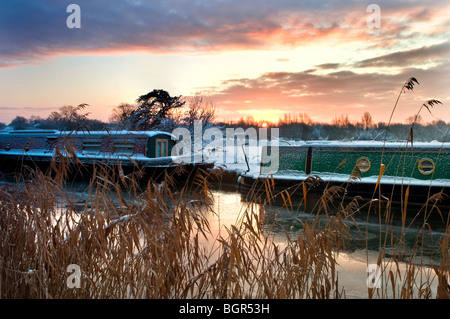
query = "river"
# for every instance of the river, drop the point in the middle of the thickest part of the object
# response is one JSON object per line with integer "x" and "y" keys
{"x": 354, "y": 260}
{"x": 361, "y": 250}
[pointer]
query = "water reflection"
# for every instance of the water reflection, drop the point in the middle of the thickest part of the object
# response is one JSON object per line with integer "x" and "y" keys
{"x": 367, "y": 232}
{"x": 365, "y": 229}
{"x": 416, "y": 243}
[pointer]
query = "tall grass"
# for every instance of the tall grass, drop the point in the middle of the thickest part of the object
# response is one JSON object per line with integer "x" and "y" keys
{"x": 148, "y": 240}
{"x": 133, "y": 238}
{"x": 407, "y": 270}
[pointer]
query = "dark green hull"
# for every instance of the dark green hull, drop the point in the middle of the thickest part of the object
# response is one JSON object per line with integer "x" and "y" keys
{"x": 400, "y": 161}
{"x": 267, "y": 189}
{"x": 423, "y": 171}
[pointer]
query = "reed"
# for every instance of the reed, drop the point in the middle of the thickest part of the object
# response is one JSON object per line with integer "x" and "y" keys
{"x": 405, "y": 272}
{"x": 152, "y": 239}
{"x": 147, "y": 240}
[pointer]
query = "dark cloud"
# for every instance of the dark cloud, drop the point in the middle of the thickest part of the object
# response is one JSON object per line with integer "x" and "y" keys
{"x": 327, "y": 66}
{"x": 439, "y": 53}
{"x": 31, "y": 30}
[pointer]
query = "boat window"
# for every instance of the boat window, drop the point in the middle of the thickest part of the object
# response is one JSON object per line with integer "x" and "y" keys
{"x": 162, "y": 148}
{"x": 124, "y": 148}
{"x": 363, "y": 164}
{"x": 92, "y": 146}
{"x": 426, "y": 166}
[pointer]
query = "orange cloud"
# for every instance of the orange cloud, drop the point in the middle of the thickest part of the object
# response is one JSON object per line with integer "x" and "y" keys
{"x": 185, "y": 27}
{"x": 324, "y": 96}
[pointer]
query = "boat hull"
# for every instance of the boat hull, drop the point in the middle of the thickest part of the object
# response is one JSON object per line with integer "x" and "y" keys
{"x": 374, "y": 171}
{"x": 124, "y": 152}
{"x": 267, "y": 189}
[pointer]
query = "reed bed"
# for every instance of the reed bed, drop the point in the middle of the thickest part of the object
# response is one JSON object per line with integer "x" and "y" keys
{"x": 134, "y": 239}
{"x": 153, "y": 240}
{"x": 147, "y": 240}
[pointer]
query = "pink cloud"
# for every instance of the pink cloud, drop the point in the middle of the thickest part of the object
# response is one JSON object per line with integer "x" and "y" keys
{"x": 323, "y": 97}
{"x": 183, "y": 27}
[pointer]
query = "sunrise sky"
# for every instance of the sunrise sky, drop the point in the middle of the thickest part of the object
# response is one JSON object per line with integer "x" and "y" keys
{"x": 252, "y": 58}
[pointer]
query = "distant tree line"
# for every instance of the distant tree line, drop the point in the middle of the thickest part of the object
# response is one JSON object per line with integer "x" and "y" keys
{"x": 437, "y": 130}
{"x": 301, "y": 127}
{"x": 67, "y": 118}
{"x": 158, "y": 110}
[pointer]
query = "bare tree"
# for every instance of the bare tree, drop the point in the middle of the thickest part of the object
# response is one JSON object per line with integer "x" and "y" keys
{"x": 121, "y": 115}
{"x": 199, "y": 107}
{"x": 305, "y": 118}
{"x": 415, "y": 119}
{"x": 68, "y": 117}
{"x": 341, "y": 121}
{"x": 54, "y": 117}
{"x": 366, "y": 121}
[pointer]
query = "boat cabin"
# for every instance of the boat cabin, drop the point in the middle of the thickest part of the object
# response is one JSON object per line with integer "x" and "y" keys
{"x": 149, "y": 147}
{"x": 361, "y": 167}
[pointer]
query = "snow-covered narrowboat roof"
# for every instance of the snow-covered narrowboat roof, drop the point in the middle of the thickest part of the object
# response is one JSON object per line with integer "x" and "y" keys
{"x": 329, "y": 144}
{"x": 57, "y": 133}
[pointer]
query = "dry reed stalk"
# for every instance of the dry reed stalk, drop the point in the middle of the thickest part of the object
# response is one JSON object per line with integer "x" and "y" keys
{"x": 146, "y": 243}
{"x": 134, "y": 240}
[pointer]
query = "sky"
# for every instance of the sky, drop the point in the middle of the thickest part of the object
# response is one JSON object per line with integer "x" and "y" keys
{"x": 262, "y": 59}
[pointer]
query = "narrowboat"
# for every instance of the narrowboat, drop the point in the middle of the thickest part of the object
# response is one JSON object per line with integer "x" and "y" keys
{"x": 150, "y": 150}
{"x": 371, "y": 170}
